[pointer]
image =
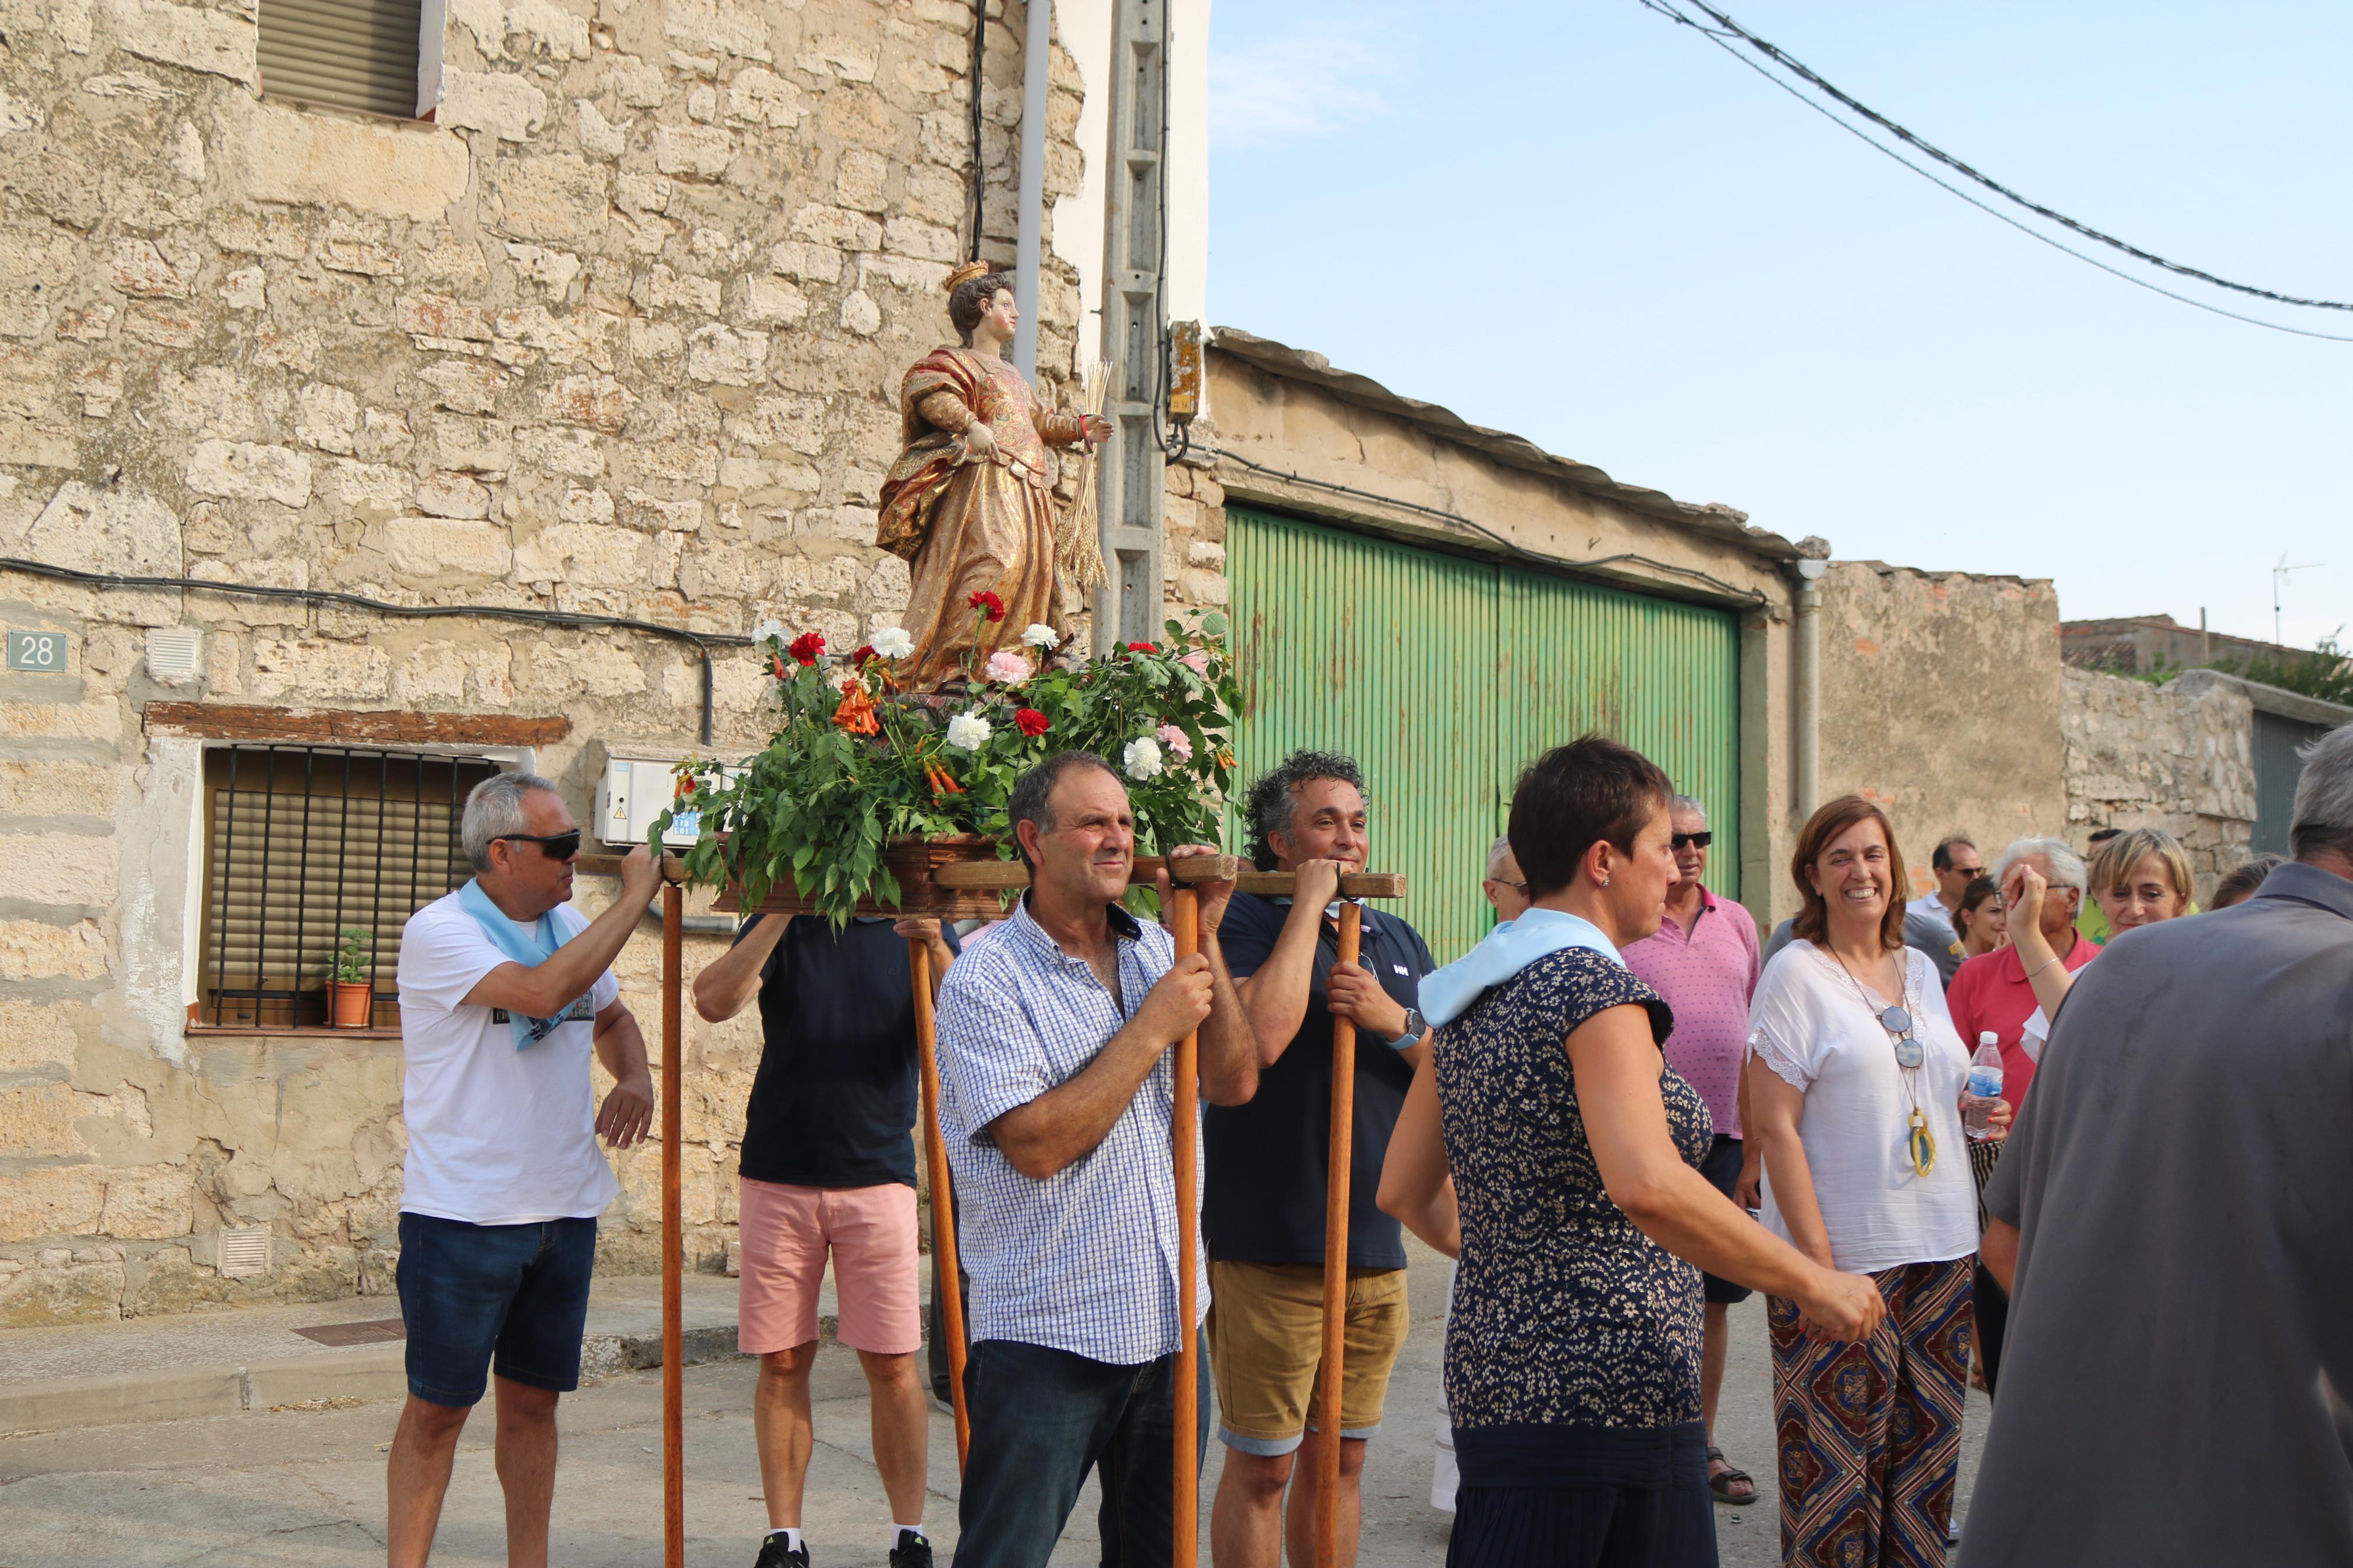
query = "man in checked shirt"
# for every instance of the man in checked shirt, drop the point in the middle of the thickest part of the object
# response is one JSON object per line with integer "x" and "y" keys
{"x": 1057, "y": 1094}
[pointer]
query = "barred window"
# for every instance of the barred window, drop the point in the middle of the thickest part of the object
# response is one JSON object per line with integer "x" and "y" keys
{"x": 351, "y": 54}
{"x": 306, "y": 843}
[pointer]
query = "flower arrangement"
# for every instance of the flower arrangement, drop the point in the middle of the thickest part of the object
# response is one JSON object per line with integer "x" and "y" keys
{"x": 858, "y": 761}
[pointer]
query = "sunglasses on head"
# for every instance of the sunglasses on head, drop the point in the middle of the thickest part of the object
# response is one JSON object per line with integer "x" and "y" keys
{"x": 1699, "y": 840}
{"x": 554, "y": 846}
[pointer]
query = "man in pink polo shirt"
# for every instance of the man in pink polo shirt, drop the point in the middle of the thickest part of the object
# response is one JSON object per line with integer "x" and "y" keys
{"x": 1703, "y": 959}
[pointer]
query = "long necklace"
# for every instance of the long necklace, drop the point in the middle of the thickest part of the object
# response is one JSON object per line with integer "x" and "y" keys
{"x": 1918, "y": 1142}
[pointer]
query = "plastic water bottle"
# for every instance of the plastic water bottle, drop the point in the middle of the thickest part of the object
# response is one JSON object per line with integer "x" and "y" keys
{"x": 1985, "y": 1087}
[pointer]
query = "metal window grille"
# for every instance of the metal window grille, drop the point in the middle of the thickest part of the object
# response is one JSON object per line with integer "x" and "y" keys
{"x": 303, "y": 842}
{"x": 351, "y": 54}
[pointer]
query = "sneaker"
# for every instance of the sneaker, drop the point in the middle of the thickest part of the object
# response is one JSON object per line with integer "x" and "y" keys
{"x": 774, "y": 1554}
{"x": 912, "y": 1552}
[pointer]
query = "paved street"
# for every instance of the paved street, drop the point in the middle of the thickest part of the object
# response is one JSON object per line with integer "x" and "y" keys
{"x": 305, "y": 1487}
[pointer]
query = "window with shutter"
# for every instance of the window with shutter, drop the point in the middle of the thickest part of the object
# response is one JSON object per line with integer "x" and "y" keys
{"x": 351, "y": 54}
{"x": 303, "y": 843}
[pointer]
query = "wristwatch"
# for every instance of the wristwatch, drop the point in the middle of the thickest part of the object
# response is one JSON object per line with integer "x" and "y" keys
{"x": 1416, "y": 1026}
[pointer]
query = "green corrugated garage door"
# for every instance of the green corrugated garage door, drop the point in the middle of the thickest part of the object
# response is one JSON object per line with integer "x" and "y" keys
{"x": 1444, "y": 677}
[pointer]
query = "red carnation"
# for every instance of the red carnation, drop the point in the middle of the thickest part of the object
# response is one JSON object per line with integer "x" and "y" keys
{"x": 808, "y": 647}
{"x": 986, "y": 601}
{"x": 1030, "y": 722}
{"x": 1143, "y": 647}
{"x": 865, "y": 651}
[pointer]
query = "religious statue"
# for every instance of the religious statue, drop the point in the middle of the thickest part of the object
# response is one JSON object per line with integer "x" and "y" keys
{"x": 970, "y": 504}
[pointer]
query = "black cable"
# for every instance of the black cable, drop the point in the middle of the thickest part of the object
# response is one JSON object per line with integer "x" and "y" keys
{"x": 1747, "y": 595}
{"x": 1995, "y": 213}
{"x": 702, "y": 642}
{"x": 979, "y": 167}
{"x": 1799, "y": 68}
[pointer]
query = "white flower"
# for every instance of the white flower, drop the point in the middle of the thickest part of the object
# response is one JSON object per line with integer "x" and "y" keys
{"x": 893, "y": 642}
{"x": 767, "y": 631}
{"x": 968, "y": 731}
{"x": 1040, "y": 636}
{"x": 1141, "y": 758}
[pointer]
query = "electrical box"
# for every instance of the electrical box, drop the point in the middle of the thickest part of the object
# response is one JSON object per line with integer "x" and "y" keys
{"x": 634, "y": 793}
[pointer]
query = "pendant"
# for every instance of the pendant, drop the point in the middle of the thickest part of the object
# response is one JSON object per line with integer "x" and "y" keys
{"x": 1909, "y": 1052}
{"x": 1896, "y": 1021}
{"x": 1921, "y": 1144}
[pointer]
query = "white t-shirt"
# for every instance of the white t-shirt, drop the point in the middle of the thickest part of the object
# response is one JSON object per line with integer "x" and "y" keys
{"x": 496, "y": 1136}
{"x": 1932, "y": 909}
{"x": 1809, "y": 1026}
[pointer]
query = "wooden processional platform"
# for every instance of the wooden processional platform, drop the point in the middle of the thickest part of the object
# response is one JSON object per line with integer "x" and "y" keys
{"x": 945, "y": 880}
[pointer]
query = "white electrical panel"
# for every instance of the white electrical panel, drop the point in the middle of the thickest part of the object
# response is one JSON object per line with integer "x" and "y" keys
{"x": 634, "y": 793}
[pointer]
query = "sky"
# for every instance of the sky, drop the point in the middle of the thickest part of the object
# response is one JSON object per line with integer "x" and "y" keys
{"x": 1581, "y": 223}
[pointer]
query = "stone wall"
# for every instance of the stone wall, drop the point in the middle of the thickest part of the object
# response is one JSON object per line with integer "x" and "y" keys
{"x": 620, "y": 333}
{"x": 1941, "y": 701}
{"x": 2175, "y": 756}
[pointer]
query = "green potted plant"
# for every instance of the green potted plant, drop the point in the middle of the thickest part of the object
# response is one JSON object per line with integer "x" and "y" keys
{"x": 351, "y": 994}
{"x": 867, "y": 783}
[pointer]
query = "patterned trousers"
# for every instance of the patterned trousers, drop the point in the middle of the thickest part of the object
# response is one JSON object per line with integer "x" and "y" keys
{"x": 1871, "y": 1432}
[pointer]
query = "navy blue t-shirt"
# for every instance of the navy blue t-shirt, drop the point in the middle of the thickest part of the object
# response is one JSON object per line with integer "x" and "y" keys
{"x": 833, "y": 1104}
{"x": 1266, "y": 1163}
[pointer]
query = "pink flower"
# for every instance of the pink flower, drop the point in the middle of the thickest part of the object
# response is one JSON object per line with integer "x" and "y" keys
{"x": 1177, "y": 742}
{"x": 1007, "y": 667}
{"x": 1197, "y": 662}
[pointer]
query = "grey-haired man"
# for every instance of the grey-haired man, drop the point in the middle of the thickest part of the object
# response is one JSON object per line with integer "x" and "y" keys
{"x": 505, "y": 993}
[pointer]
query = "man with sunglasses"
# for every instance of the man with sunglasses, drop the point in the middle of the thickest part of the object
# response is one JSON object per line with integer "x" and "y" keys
{"x": 1703, "y": 959}
{"x": 505, "y": 993}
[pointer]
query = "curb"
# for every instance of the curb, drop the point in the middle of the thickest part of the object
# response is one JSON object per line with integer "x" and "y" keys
{"x": 370, "y": 1373}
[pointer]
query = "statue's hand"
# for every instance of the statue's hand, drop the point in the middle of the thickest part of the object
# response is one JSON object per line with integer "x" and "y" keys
{"x": 1094, "y": 428}
{"x": 980, "y": 440}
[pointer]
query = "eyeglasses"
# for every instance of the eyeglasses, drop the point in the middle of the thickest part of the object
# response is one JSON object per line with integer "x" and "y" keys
{"x": 1699, "y": 840}
{"x": 554, "y": 846}
{"x": 1506, "y": 882}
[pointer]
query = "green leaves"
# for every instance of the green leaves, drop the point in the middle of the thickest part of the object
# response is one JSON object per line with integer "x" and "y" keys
{"x": 820, "y": 802}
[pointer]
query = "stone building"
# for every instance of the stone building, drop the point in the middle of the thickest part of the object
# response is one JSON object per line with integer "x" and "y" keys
{"x": 611, "y": 326}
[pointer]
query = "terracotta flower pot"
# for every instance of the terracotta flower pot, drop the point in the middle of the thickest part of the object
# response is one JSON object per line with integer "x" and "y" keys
{"x": 351, "y": 1007}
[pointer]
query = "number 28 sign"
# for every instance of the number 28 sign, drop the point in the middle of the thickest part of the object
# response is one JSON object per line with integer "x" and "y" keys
{"x": 41, "y": 652}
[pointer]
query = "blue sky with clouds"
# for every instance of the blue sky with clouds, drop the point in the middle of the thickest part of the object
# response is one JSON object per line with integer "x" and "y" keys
{"x": 1581, "y": 223}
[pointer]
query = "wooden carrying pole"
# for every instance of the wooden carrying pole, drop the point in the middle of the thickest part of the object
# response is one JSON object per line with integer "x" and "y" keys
{"x": 1185, "y": 911}
{"x": 673, "y": 1237}
{"x": 950, "y": 1284}
{"x": 1335, "y": 1261}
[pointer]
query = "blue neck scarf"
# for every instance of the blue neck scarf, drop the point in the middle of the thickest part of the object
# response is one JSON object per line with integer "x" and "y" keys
{"x": 530, "y": 946}
{"x": 1448, "y": 993}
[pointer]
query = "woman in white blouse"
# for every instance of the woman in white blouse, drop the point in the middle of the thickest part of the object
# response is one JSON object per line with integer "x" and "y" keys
{"x": 1855, "y": 1080}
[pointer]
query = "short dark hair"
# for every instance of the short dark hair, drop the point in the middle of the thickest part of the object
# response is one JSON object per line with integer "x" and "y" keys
{"x": 1273, "y": 798}
{"x": 1033, "y": 792}
{"x": 969, "y": 302}
{"x": 1964, "y": 913}
{"x": 1590, "y": 790}
{"x": 2243, "y": 879}
{"x": 1940, "y": 859}
{"x": 2101, "y": 835}
{"x": 1835, "y": 819}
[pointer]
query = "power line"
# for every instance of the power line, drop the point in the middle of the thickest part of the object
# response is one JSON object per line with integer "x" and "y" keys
{"x": 1717, "y": 38}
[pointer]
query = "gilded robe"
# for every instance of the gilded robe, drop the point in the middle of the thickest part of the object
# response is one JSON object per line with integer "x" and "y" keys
{"x": 969, "y": 524}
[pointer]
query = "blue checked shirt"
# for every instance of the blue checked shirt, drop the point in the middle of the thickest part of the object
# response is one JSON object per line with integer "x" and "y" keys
{"x": 1084, "y": 1261}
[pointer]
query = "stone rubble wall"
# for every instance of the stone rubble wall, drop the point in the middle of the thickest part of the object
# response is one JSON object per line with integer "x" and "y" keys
{"x": 620, "y": 333}
{"x": 2141, "y": 755}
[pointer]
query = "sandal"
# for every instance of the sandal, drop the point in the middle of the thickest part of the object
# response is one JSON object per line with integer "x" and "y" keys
{"x": 1720, "y": 1481}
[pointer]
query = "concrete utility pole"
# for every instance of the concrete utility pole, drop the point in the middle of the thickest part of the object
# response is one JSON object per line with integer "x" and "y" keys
{"x": 1037, "y": 59}
{"x": 1134, "y": 323}
{"x": 1806, "y": 657}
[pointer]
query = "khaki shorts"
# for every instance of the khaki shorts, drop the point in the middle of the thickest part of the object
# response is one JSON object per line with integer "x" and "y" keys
{"x": 1266, "y": 1345}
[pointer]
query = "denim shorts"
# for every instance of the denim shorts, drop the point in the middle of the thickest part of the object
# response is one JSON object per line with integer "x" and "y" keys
{"x": 478, "y": 1297}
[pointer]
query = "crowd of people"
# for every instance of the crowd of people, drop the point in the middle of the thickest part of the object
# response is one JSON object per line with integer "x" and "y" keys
{"x": 1618, "y": 1114}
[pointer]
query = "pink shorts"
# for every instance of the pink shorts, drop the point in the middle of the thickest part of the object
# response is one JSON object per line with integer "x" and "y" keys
{"x": 786, "y": 1233}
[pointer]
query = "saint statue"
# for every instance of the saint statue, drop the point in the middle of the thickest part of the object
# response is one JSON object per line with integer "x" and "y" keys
{"x": 970, "y": 504}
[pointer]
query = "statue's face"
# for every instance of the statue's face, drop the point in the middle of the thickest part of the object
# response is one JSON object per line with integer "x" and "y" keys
{"x": 1001, "y": 318}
